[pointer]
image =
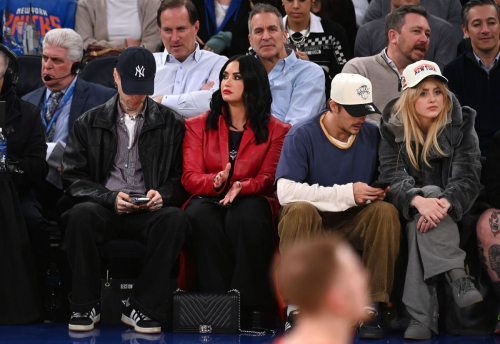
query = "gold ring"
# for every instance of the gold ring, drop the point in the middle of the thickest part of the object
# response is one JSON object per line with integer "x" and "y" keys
{"x": 425, "y": 221}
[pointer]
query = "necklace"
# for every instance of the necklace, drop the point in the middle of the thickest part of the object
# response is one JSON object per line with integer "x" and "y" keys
{"x": 238, "y": 130}
{"x": 299, "y": 38}
{"x": 222, "y": 7}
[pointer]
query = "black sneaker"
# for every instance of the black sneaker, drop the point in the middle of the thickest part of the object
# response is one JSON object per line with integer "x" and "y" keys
{"x": 85, "y": 321}
{"x": 291, "y": 319}
{"x": 371, "y": 328}
{"x": 140, "y": 322}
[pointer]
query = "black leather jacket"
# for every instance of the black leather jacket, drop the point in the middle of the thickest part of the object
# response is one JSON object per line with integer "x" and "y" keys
{"x": 92, "y": 146}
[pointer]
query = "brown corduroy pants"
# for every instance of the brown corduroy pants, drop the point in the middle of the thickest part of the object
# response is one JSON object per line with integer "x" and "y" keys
{"x": 374, "y": 229}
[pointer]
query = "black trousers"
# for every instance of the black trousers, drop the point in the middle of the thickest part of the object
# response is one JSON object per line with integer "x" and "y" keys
{"x": 234, "y": 247}
{"x": 19, "y": 297}
{"x": 88, "y": 225}
{"x": 38, "y": 206}
{"x": 39, "y": 237}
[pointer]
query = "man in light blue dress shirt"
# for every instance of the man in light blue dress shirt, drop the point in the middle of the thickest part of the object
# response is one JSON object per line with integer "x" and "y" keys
{"x": 186, "y": 76}
{"x": 297, "y": 86}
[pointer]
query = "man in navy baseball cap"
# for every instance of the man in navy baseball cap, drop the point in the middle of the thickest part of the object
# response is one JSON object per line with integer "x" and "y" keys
{"x": 126, "y": 185}
{"x": 136, "y": 67}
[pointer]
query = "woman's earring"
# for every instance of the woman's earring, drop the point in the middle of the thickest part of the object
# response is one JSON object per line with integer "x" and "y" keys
{"x": 116, "y": 86}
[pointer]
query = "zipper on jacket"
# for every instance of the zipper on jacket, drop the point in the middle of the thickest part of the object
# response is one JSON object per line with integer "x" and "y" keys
{"x": 397, "y": 74}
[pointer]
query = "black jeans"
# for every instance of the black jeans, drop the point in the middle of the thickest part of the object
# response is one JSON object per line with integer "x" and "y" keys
{"x": 88, "y": 225}
{"x": 234, "y": 247}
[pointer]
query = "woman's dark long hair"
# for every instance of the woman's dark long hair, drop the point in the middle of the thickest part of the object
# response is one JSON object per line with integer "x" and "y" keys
{"x": 256, "y": 96}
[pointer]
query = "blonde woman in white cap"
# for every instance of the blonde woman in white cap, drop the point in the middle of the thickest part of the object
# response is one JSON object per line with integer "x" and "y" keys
{"x": 429, "y": 152}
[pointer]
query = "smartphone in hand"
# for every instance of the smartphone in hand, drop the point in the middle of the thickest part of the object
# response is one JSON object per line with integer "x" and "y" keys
{"x": 380, "y": 185}
{"x": 140, "y": 200}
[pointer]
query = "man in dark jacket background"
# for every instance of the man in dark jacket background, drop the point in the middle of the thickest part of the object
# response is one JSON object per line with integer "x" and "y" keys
{"x": 474, "y": 76}
{"x": 25, "y": 144}
{"x": 24, "y": 132}
{"x": 128, "y": 148}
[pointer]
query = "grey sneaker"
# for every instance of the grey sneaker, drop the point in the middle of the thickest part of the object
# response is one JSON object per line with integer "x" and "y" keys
{"x": 417, "y": 331}
{"x": 464, "y": 291}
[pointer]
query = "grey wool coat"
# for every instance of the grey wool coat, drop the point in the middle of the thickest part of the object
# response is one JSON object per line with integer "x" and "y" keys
{"x": 457, "y": 174}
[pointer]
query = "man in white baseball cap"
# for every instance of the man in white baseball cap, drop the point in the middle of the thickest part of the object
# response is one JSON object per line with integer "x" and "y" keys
{"x": 327, "y": 165}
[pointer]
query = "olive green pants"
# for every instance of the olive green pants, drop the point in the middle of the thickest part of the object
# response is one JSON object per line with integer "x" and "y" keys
{"x": 374, "y": 229}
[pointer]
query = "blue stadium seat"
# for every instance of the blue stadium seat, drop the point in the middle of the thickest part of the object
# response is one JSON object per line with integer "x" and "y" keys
{"x": 100, "y": 71}
{"x": 29, "y": 74}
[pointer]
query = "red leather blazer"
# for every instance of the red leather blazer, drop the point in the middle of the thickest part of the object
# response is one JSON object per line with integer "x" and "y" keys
{"x": 206, "y": 153}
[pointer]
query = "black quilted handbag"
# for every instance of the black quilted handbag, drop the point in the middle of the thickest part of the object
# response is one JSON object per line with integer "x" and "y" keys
{"x": 209, "y": 313}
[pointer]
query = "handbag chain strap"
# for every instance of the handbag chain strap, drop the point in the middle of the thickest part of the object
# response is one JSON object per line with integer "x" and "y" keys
{"x": 245, "y": 332}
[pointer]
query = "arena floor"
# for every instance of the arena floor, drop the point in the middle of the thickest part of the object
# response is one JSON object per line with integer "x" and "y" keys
{"x": 58, "y": 333}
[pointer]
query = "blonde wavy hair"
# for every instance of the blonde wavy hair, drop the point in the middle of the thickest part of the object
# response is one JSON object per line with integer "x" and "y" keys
{"x": 406, "y": 115}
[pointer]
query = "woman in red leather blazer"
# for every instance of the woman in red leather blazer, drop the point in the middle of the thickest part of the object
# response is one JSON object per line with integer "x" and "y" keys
{"x": 230, "y": 157}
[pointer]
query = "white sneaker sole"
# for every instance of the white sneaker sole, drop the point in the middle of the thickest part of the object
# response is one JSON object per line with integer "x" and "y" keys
{"x": 126, "y": 320}
{"x": 82, "y": 328}
{"x": 470, "y": 304}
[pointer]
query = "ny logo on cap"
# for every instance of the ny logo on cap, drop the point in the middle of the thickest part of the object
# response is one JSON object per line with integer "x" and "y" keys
{"x": 139, "y": 71}
{"x": 363, "y": 92}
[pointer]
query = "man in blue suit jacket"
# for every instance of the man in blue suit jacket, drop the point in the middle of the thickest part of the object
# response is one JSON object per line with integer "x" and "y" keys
{"x": 63, "y": 99}
{"x": 64, "y": 95}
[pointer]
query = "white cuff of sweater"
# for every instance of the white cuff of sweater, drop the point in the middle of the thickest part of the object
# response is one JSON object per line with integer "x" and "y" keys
{"x": 334, "y": 198}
